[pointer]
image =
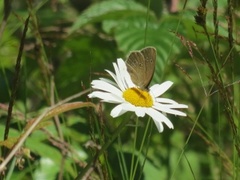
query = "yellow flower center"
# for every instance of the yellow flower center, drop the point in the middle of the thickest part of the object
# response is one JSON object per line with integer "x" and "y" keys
{"x": 138, "y": 97}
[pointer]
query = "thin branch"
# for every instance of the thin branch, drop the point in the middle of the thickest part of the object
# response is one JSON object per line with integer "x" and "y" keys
{"x": 15, "y": 81}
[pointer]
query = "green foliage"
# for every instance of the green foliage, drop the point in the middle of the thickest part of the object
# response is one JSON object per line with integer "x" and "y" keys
{"x": 64, "y": 50}
{"x": 108, "y": 10}
{"x": 126, "y": 20}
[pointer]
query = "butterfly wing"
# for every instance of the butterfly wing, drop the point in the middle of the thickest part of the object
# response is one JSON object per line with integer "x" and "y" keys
{"x": 136, "y": 68}
{"x": 149, "y": 54}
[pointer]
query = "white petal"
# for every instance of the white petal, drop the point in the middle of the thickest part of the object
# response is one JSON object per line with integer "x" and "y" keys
{"x": 171, "y": 111}
{"x": 170, "y": 103}
{"x": 166, "y": 109}
{"x": 140, "y": 112}
{"x": 170, "y": 108}
{"x": 119, "y": 83}
{"x": 104, "y": 86}
{"x": 117, "y": 111}
{"x": 159, "y": 125}
{"x": 122, "y": 70}
{"x": 120, "y": 78}
{"x": 165, "y": 101}
{"x": 116, "y": 78}
{"x": 122, "y": 66}
{"x": 159, "y": 118}
{"x": 128, "y": 107}
{"x": 159, "y": 89}
{"x": 128, "y": 80}
{"x": 106, "y": 97}
{"x": 112, "y": 74}
{"x": 109, "y": 81}
{"x": 124, "y": 74}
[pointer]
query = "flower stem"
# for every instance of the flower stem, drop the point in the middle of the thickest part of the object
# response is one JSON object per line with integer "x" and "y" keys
{"x": 132, "y": 172}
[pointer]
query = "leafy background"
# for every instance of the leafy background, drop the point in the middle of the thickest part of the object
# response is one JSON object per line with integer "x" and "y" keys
{"x": 69, "y": 43}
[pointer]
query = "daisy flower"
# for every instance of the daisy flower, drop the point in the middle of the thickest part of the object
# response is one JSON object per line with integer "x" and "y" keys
{"x": 128, "y": 97}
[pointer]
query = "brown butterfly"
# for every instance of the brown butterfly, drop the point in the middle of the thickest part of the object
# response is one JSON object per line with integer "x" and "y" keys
{"x": 141, "y": 66}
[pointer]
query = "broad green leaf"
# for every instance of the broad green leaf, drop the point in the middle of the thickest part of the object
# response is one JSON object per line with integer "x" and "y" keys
{"x": 152, "y": 172}
{"x": 47, "y": 151}
{"x": 117, "y": 9}
{"x": 133, "y": 35}
{"x": 48, "y": 169}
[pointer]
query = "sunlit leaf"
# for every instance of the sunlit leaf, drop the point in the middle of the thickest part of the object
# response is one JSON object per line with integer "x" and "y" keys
{"x": 108, "y": 10}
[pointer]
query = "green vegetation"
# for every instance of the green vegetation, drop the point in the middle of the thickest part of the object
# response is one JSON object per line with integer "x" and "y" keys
{"x": 50, "y": 51}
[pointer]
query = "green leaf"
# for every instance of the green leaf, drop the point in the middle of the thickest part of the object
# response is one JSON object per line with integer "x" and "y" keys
{"x": 48, "y": 169}
{"x": 117, "y": 9}
{"x": 133, "y": 35}
{"x": 36, "y": 144}
{"x": 152, "y": 172}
